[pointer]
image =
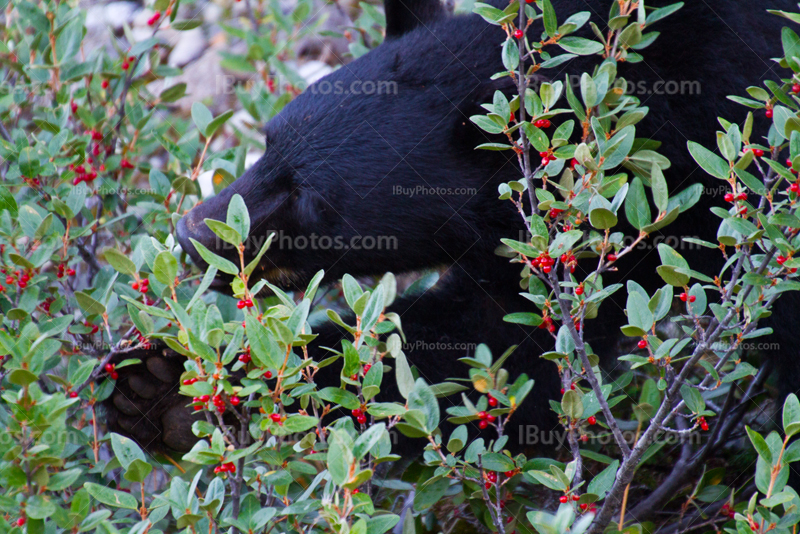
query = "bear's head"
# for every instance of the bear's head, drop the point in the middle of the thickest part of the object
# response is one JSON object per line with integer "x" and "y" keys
{"x": 373, "y": 168}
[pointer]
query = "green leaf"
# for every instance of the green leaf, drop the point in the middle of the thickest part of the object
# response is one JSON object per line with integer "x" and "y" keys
{"x": 572, "y": 405}
{"x": 405, "y": 380}
{"x": 110, "y": 497}
{"x": 710, "y": 162}
{"x": 549, "y": 16}
{"x": 215, "y": 124}
{"x": 791, "y": 415}
{"x": 210, "y": 258}
{"x": 580, "y": 46}
{"x": 340, "y": 396}
{"x": 89, "y": 304}
{"x": 760, "y": 445}
{"x": 202, "y": 116}
{"x": 224, "y": 232}
{"x": 238, "y": 217}
{"x": 125, "y": 450}
{"x": 165, "y": 268}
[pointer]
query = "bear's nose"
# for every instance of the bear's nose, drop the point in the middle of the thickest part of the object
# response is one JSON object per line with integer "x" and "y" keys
{"x": 193, "y": 226}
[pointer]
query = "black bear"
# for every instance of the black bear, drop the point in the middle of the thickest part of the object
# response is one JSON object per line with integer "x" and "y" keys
{"x": 341, "y": 163}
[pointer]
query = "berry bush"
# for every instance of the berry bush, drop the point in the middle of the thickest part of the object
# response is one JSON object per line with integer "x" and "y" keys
{"x": 98, "y": 166}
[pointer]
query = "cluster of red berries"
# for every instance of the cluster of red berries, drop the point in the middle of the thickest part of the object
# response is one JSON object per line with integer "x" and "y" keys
{"x": 22, "y": 280}
{"x": 62, "y": 269}
{"x": 542, "y": 123}
{"x": 547, "y": 322}
{"x": 564, "y": 499}
{"x": 111, "y": 371}
{"x": 225, "y": 468}
{"x": 152, "y": 20}
{"x": 46, "y": 304}
{"x": 246, "y": 303}
{"x": 703, "y": 423}
{"x": 726, "y": 510}
{"x": 544, "y": 261}
{"x": 590, "y": 507}
{"x": 484, "y": 419}
{"x": 125, "y": 64}
{"x": 491, "y": 478}
{"x": 125, "y": 164}
{"x": 686, "y": 297}
{"x": 190, "y": 381}
{"x": 246, "y": 357}
{"x": 360, "y": 416}
{"x": 142, "y": 285}
{"x": 571, "y": 386}
{"x": 547, "y": 157}
{"x": 729, "y": 197}
{"x": 82, "y": 174}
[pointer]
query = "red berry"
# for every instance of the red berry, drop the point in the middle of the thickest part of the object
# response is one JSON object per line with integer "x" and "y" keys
{"x": 684, "y": 297}
{"x": 70, "y": 272}
{"x": 248, "y": 303}
{"x": 483, "y": 424}
{"x": 563, "y": 391}
{"x": 729, "y": 197}
{"x": 592, "y": 420}
{"x": 768, "y": 114}
{"x": 563, "y": 499}
{"x": 491, "y": 418}
{"x": 482, "y": 415}
{"x": 692, "y": 298}
{"x": 584, "y": 438}
{"x": 74, "y": 107}
{"x": 73, "y": 394}
{"x": 9, "y": 280}
{"x": 104, "y": 84}
{"x": 268, "y": 374}
{"x": 757, "y": 152}
{"x": 362, "y": 419}
{"x": 245, "y": 358}
{"x": 794, "y": 188}
{"x": 125, "y": 65}
{"x": 240, "y": 304}
{"x": 796, "y": 88}
{"x": 509, "y": 474}
{"x": 143, "y": 288}
{"x": 109, "y": 367}
{"x": 275, "y": 417}
{"x": 205, "y": 398}
{"x": 235, "y": 401}
{"x": 518, "y": 34}
{"x": 572, "y": 386}
{"x": 367, "y": 367}
{"x": 584, "y": 506}
{"x": 135, "y": 286}
{"x": 357, "y": 412}
{"x": 741, "y": 196}
{"x": 576, "y": 497}
{"x": 20, "y": 521}
{"x": 23, "y": 285}
{"x": 579, "y": 290}
{"x": 642, "y": 344}
{"x": 492, "y": 401}
{"x": 612, "y": 257}
{"x": 114, "y": 375}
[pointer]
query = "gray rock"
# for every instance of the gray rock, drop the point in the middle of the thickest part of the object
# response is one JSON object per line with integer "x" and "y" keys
{"x": 191, "y": 45}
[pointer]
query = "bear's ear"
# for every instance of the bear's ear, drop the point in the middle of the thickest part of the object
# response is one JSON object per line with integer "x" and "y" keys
{"x": 404, "y": 15}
